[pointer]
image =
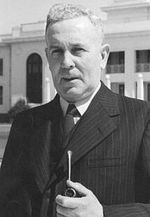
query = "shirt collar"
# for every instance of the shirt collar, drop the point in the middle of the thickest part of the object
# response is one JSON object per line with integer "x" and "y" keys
{"x": 82, "y": 106}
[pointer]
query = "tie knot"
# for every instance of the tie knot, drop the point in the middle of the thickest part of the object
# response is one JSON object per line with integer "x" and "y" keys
{"x": 69, "y": 121}
{"x": 72, "y": 110}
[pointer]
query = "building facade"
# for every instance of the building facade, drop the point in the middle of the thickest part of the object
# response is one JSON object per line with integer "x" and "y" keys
{"x": 24, "y": 70}
{"x": 128, "y": 32}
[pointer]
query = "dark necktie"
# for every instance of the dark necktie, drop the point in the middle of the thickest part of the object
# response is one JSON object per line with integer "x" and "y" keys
{"x": 69, "y": 118}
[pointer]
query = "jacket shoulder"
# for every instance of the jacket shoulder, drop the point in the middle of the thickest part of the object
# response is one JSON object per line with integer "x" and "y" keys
{"x": 134, "y": 101}
{"x": 34, "y": 116}
{"x": 134, "y": 106}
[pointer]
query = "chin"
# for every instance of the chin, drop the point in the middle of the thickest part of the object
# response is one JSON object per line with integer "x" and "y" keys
{"x": 72, "y": 97}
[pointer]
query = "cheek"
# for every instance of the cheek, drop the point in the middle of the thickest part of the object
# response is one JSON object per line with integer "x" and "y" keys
{"x": 91, "y": 70}
{"x": 54, "y": 68}
{"x": 86, "y": 69}
{"x": 54, "y": 72}
{"x": 84, "y": 65}
{"x": 89, "y": 62}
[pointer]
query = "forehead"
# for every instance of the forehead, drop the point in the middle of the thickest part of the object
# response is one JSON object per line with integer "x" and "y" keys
{"x": 76, "y": 30}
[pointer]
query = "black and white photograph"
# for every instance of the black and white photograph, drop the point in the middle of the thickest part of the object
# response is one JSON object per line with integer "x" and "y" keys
{"x": 75, "y": 108}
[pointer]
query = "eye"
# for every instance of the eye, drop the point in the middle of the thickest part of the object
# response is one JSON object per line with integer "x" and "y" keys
{"x": 56, "y": 52}
{"x": 77, "y": 50}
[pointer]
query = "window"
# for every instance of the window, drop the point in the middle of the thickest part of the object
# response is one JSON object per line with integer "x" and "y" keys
{"x": 121, "y": 89}
{"x": 1, "y": 95}
{"x": 115, "y": 62}
{"x": 1, "y": 66}
{"x": 143, "y": 61}
{"x": 34, "y": 78}
{"x": 118, "y": 88}
{"x": 148, "y": 91}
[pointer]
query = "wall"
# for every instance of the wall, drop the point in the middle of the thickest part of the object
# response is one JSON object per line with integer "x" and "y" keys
{"x": 4, "y": 131}
{"x": 129, "y": 42}
{"x": 5, "y": 78}
{"x": 20, "y": 53}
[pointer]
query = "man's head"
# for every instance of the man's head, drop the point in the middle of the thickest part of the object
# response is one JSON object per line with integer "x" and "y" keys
{"x": 74, "y": 51}
{"x": 60, "y": 12}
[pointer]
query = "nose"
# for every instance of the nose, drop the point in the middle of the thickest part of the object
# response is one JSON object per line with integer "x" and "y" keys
{"x": 67, "y": 61}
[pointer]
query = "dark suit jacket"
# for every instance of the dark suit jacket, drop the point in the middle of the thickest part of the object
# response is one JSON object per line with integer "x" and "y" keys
{"x": 111, "y": 156}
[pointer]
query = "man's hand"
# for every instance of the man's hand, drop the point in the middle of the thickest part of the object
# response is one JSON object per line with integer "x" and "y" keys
{"x": 85, "y": 206}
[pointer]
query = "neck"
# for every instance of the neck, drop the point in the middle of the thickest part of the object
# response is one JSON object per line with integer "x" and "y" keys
{"x": 80, "y": 104}
{"x": 88, "y": 98}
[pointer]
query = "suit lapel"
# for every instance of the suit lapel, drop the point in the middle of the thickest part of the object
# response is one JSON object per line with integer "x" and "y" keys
{"x": 94, "y": 126}
{"x": 41, "y": 150}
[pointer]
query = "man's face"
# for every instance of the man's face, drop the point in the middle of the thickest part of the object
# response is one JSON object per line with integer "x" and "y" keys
{"x": 74, "y": 56}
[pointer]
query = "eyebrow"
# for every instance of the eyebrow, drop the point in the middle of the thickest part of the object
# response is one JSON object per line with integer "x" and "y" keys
{"x": 72, "y": 46}
{"x": 54, "y": 47}
{"x": 79, "y": 45}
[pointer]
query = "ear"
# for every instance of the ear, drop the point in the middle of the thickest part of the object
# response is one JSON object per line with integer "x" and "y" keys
{"x": 105, "y": 50}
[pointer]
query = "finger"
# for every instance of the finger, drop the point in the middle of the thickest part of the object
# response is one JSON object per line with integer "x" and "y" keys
{"x": 68, "y": 202}
{"x": 63, "y": 211}
{"x": 82, "y": 190}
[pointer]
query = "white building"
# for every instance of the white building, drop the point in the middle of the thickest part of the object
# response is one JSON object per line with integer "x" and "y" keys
{"x": 128, "y": 32}
{"x": 24, "y": 70}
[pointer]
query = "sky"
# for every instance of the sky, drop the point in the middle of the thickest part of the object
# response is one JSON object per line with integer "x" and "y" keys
{"x": 16, "y": 12}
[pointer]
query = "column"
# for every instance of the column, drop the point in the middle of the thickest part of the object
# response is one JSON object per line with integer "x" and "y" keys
{"x": 48, "y": 86}
{"x": 130, "y": 72}
{"x": 47, "y": 90}
{"x": 108, "y": 83}
{"x": 140, "y": 87}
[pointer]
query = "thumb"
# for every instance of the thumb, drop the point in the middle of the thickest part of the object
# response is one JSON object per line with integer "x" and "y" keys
{"x": 82, "y": 190}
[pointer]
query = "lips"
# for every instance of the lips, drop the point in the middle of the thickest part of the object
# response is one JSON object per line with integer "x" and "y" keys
{"x": 70, "y": 79}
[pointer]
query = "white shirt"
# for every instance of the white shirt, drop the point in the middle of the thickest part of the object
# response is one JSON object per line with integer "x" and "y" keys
{"x": 82, "y": 107}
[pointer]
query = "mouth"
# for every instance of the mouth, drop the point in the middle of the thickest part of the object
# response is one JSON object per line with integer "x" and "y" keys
{"x": 70, "y": 79}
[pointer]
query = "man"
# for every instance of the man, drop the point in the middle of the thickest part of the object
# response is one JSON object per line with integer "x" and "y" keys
{"x": 110, "y": 140}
